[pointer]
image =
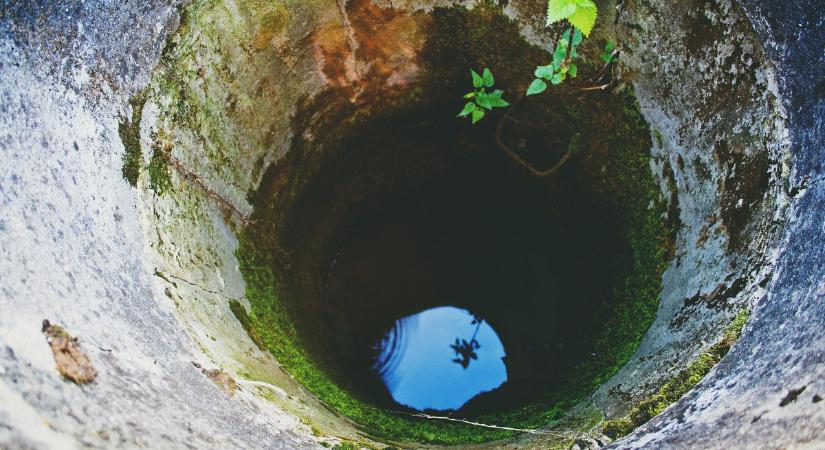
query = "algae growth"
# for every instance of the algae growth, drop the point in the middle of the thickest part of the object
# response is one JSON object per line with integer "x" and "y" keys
{"x": 679, "y": 385}
{"x": 283, "y": 277}
{"x": 613, "y": 166}
{"x": 129, "y": 132}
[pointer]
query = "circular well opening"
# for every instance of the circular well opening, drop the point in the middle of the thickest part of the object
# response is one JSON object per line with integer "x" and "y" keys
{"x": 389, "y": 215}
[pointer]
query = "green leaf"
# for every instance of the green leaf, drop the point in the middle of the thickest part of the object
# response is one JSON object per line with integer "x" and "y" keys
{"x": 572, "y": 70}
{"x": 477, "y": 80}
{"x": 478, "y": 114}
{"x": 557, "y": 79}
{"x": 608, "y": 48}
{"x": 584, "y": 16}
{"x": 607, "y": 56}
{"x": 536, "y": 87}
{"x": 468, "y": 108}
{"x": 497, "y": 101}
{"x": 560, "y": 53}
{"x": 488, "y": 78}
{"x": 470, "y": 95}
{"x": 577, "y": 37}
{"x": 545, "y": 72}
{"x": 559, "y": 10}
{"x": 483, "y": 100}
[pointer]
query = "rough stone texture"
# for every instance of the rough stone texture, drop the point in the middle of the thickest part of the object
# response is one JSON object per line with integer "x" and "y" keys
{"x": 144, "y": 281}
{"x": 71, "y": 249}
{"x": 721, "y": 153}
{"x": 739, "y": 404}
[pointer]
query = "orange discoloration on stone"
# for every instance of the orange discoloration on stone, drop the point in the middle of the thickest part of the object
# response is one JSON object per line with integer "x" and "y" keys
{"x": 222, "y": 379}
{"x": 370, "y": 49}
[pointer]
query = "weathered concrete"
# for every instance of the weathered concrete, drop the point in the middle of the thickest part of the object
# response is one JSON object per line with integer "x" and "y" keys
{"x": 144, "y": 280}
{"x": 71, "y": 249}
{"x": 740, "y": 404}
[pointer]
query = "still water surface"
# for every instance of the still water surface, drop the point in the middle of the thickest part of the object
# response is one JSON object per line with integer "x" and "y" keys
{"x": 440, "y": 358}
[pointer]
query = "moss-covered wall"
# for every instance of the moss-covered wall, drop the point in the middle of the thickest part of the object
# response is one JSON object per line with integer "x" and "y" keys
{"x": 242, "y": 83}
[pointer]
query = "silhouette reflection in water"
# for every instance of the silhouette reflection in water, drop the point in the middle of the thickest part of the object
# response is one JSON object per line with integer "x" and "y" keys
{"x": 467, "y": 350}
{"x": 423, "y": 373}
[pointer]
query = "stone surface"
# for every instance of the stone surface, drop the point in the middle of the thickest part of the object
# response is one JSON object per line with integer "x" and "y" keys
{"x": 721, "y": 153}
{"x": 739, "y": 405}
{"x": 71, "y": 249}
{"x": 145, "y": 280}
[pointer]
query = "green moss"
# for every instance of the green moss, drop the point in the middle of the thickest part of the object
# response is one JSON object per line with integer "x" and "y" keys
{"x": 158, "y": 167}
{"x": 271, "y": 322}
{"x": 347, "y": 446}
{"x": 659, "y": 139}
{"x": 677, "y": 387}
{"x": 55, "y": 331}
{"x": 614, "y": 162}
{"x": 483, "y": 37}
{"x": 635, "y": 299}
{"x": 240, "y": 313}
{"x": 129, "y": 131}
{"x": 160, "y": 174}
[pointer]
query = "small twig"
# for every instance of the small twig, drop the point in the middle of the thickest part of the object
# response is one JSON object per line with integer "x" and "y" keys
{"x": 475, "y": 333}
{"x": 194, "y": 178}
{"x": 166, "y": 277}
{"x": 596, "y": 88}
{"x": 619, "y": 9}
{"x": 281, "y": 393}
{"x": 477, "y": 424}
{"x": 558, "y": 434}
{"x": 515, "y": 157}
{"x": 607, "y": 65}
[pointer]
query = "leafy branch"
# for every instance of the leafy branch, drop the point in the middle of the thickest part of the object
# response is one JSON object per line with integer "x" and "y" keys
{"x": 581, "y": 14}
{"x": 562, "y": 66}
{"x": 482, "y": 100}
{"x": 608, "y": 55}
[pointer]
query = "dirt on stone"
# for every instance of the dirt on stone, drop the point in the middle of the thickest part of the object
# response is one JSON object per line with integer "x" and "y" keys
{"x": 72, "y": 363}
{"x": 222, "y": 379}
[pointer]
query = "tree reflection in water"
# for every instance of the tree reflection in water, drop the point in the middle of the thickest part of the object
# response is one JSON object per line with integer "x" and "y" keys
{"x": 422, "y": 373}
{"x": 466, "y": 350}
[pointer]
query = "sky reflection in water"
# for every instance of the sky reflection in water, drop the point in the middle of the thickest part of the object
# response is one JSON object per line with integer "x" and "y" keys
{"x": 424, "y": 367}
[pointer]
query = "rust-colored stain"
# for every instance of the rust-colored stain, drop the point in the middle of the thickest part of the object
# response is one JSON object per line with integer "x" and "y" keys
{"x": 370, "y": 49}
{"x": 71, "y": 361}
